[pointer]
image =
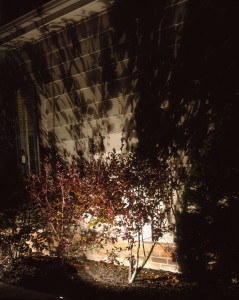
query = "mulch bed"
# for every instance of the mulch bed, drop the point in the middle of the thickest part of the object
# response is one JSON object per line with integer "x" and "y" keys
{"x": 85, "y": 279}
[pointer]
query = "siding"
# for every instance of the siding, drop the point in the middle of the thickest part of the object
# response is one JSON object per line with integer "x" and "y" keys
{"x": 163, "y": 72}
{"x": 91, "y": 74}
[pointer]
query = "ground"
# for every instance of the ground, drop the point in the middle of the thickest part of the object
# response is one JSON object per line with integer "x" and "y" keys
{"x": 85, "y": 279}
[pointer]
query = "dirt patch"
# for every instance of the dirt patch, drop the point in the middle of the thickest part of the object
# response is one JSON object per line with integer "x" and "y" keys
{"x": 87, "y": 279}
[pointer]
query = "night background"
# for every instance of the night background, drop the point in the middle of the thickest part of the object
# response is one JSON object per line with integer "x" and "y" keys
{"x": 12, "y": 9}
{"x": 179, "y": 64}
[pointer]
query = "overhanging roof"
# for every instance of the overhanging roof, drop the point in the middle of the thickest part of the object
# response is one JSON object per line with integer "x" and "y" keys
{"x": 49, "y": 18}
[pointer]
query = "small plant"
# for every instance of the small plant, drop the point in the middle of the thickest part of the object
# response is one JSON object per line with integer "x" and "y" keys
{"x": 126, "y": 193}
{"x": 91, "y": 203}
{"x": 54, "y": 194}
{"x": 17, "y": 233}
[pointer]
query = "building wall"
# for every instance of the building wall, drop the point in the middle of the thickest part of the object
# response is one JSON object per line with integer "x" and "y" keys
{"x": 90, "y": 76}
{"x": 135, "y": 73}
{"x": 162, "y": 256}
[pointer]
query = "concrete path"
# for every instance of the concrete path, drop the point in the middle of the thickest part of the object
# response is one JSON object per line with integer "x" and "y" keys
{"x": 12, "y": 292}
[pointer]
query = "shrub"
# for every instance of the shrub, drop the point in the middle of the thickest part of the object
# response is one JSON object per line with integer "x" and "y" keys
{"x": 125, "y": 193}
{"x": 54, "y": 194}
{"x": 18, "y": 227}
{"x": 90, "y": 203}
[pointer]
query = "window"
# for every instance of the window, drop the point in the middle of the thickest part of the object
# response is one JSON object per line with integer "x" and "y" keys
{"x": 27, "y": 131}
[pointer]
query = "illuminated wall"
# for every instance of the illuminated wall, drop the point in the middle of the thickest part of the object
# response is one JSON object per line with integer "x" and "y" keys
{"x": 91, "y": 75}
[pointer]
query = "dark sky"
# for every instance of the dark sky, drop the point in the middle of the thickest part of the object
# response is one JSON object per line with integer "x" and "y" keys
{"x": 12, "y": 9}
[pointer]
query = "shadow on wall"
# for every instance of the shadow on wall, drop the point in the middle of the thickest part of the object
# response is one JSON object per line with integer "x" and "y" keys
{"x": 188, "y": 108}
{"x": 192, "y": 108}
{"x": 87, "y": 82}
{"x": 208, "y": 79}
{"x": 174, "y": 75}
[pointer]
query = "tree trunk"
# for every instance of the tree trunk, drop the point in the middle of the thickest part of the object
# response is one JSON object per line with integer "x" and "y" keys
{"x": 138, "y": 269}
